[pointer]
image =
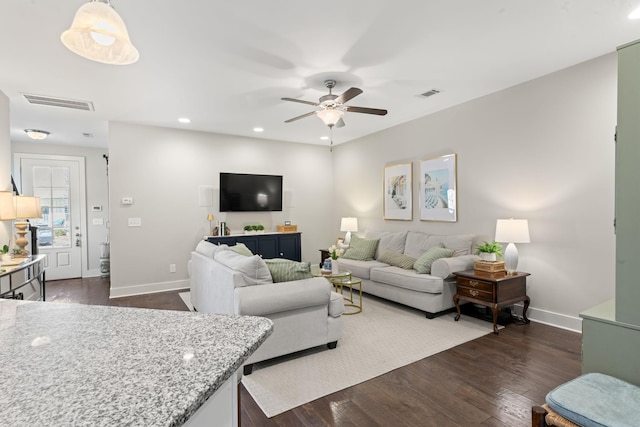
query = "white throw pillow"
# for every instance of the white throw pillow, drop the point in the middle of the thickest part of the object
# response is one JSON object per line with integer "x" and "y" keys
{"x": 253, "y": 268}
{"x": 208, "y": 249}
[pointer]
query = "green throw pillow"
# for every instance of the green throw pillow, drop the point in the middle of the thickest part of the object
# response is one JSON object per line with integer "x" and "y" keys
{"x": 361, "y": 249}
{"x": 423, "y": 264}
{"x": 396, "y": 258}
{"x": 285, "y": 270}
{"x": 241, "y": 249}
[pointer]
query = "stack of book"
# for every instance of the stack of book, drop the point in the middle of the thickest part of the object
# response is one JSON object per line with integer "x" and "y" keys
{"x": 490, "y": 268}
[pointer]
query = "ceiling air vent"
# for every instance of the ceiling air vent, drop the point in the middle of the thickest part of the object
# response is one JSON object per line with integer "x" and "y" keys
{"x": 59, "y": 102}
{"x": 431, "y": 93}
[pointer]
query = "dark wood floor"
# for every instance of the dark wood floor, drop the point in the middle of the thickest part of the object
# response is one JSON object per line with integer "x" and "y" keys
{"x": 491, "y": 381}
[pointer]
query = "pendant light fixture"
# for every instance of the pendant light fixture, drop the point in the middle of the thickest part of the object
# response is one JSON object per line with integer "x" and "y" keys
{"x": 99, "y": 34}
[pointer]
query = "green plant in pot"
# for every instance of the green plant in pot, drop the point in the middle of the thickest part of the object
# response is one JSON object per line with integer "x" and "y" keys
{"x": 260, "y": 228}
{"x": 489, "y": 251}
{"x": 4, "y": 253}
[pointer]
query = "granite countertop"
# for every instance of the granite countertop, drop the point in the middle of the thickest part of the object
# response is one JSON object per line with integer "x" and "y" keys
{"x": 73, "y": 364}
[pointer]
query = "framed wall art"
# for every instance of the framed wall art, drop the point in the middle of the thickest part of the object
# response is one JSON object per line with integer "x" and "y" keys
{"x": 438, "y": 192}
{"x": 397, "y": 197}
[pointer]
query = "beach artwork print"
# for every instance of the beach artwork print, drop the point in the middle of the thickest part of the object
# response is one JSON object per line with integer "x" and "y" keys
{"x": 438, "y": 189}
{"x": 397, "y": 192}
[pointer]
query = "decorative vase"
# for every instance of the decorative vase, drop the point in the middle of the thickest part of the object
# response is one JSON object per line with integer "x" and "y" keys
{"x": 334, "y": 267}
{"x": 486, "y": 256}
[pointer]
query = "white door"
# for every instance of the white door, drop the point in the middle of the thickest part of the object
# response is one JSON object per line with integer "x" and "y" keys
{"x": 57, "y": 181}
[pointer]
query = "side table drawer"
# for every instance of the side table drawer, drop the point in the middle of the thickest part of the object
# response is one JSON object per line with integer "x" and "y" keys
{"x": 475, "y": 293}
{"x": 475, "y": 284}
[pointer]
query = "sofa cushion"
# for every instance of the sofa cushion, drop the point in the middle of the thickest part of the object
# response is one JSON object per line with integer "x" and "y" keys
{"x": 394, "y": 241}
{"x": 241, "y": 248}
{"x": 361, "y": 269}
{"x": 361, "y": 249}
{"x": 286, "y": 270}
{"x": 423, "y": 264}
{"x": 418, "y": 243}
{"x": 253, "y": 268}
{"x": 392, "y": 257}
{"x": 407, "y": 279}
{"x": 208, "y": 249}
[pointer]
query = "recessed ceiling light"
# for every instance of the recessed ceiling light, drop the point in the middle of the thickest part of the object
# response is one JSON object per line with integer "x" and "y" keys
{"x": 184, "y": 120}
{"x": 36, "y": 134}
{"x": 324, "y": 138}
{"x": 635, "y": 14}
{"x": 258, "y": 129}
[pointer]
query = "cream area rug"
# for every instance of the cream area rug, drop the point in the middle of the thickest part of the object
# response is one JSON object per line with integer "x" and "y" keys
{"x": 384, "y": 337}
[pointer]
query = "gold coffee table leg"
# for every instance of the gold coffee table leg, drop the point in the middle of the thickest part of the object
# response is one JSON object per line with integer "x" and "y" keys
{"x": 351, "y": 282}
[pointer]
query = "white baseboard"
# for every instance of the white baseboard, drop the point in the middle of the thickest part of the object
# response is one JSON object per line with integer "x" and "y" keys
{"x": 551, "y": 318}
{"x": 148, "y": 288}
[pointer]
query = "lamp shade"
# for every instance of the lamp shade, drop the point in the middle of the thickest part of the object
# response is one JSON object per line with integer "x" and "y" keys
{"x": 28, "y": 207}
{"x": 512, "y": 231}
{"x": 330, "y": 116}
{"x": 99, "y": 34}
{"x": 349, "y": 224}
{"x": 7, "y": 206}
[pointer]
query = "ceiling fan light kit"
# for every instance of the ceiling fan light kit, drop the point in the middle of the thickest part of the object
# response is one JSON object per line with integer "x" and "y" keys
{"x": 98, "y": 33}
{"x": 331, "y": 107}
{"x": 330, "y": 116}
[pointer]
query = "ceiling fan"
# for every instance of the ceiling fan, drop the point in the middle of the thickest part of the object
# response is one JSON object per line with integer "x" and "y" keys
{"x": 332, "y": 107}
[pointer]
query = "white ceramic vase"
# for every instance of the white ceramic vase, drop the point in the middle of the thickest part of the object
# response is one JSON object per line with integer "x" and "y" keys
{"x": 334, "y": 267}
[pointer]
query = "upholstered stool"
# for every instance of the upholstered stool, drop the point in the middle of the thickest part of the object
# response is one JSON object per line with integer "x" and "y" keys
{"x": 596, "y": 400}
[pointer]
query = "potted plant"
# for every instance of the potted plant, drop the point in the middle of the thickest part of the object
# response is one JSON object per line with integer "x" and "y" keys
{"x": 4, "y": 253}
{"x": 248, "y": 229}
{"x": 489, "y": 251}
{"x": 260, "y": 228}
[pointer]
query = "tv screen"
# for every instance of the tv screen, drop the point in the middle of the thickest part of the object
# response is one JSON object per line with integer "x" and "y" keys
{"x": 241, "y": 192}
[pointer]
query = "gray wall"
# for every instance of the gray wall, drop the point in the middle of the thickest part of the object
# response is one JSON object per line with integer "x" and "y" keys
{"x": 96, "y": 193}
{"x": 542, "y": 151}
{"x": 162, "y": 170}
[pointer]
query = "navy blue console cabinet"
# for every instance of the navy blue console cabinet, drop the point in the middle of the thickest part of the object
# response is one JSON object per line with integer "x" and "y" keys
{"x": 267, "y": 245}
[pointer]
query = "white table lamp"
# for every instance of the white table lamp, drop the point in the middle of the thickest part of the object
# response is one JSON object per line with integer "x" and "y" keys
{"x": 512, "y": 231}
{"x": 348, "y": 224}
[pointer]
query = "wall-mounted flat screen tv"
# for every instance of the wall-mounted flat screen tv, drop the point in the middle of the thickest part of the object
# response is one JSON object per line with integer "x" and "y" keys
{"x": 242, "y": 192}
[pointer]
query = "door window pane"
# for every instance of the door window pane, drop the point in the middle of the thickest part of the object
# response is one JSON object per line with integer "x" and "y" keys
{"x": 51, "y": 184}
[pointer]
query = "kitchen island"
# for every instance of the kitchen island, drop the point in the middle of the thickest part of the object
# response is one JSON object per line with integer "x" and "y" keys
{"x": 80, "y": 365}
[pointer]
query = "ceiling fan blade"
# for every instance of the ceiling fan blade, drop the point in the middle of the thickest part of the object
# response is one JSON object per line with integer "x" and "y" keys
{"x": 365, "y": 110}
{"x": 340, "y": 123}
{"x": 348, "y": 94}
{"x": 300, "y": 117}
{"x": 315, "y": 104}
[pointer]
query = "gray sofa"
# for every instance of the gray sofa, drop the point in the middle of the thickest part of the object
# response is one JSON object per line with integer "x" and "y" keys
{"x": 432, "y": 292}
{"x": 306, "y": 313}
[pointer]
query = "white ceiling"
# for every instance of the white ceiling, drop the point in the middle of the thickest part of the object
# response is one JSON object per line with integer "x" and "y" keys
{"x": 225, "y": 65}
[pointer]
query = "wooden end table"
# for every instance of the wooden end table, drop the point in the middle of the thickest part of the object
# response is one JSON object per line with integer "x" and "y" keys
{"x": 493, "y": 290}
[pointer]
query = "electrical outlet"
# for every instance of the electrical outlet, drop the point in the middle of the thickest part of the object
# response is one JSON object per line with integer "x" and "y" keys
{"x": 172, "y": 268}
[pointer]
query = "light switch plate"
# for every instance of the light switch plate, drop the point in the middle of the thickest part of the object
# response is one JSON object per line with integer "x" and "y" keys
{"x": 98, "y": 221}
{"x": 127, "y": 200}
{"x": 134, "y": 222}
